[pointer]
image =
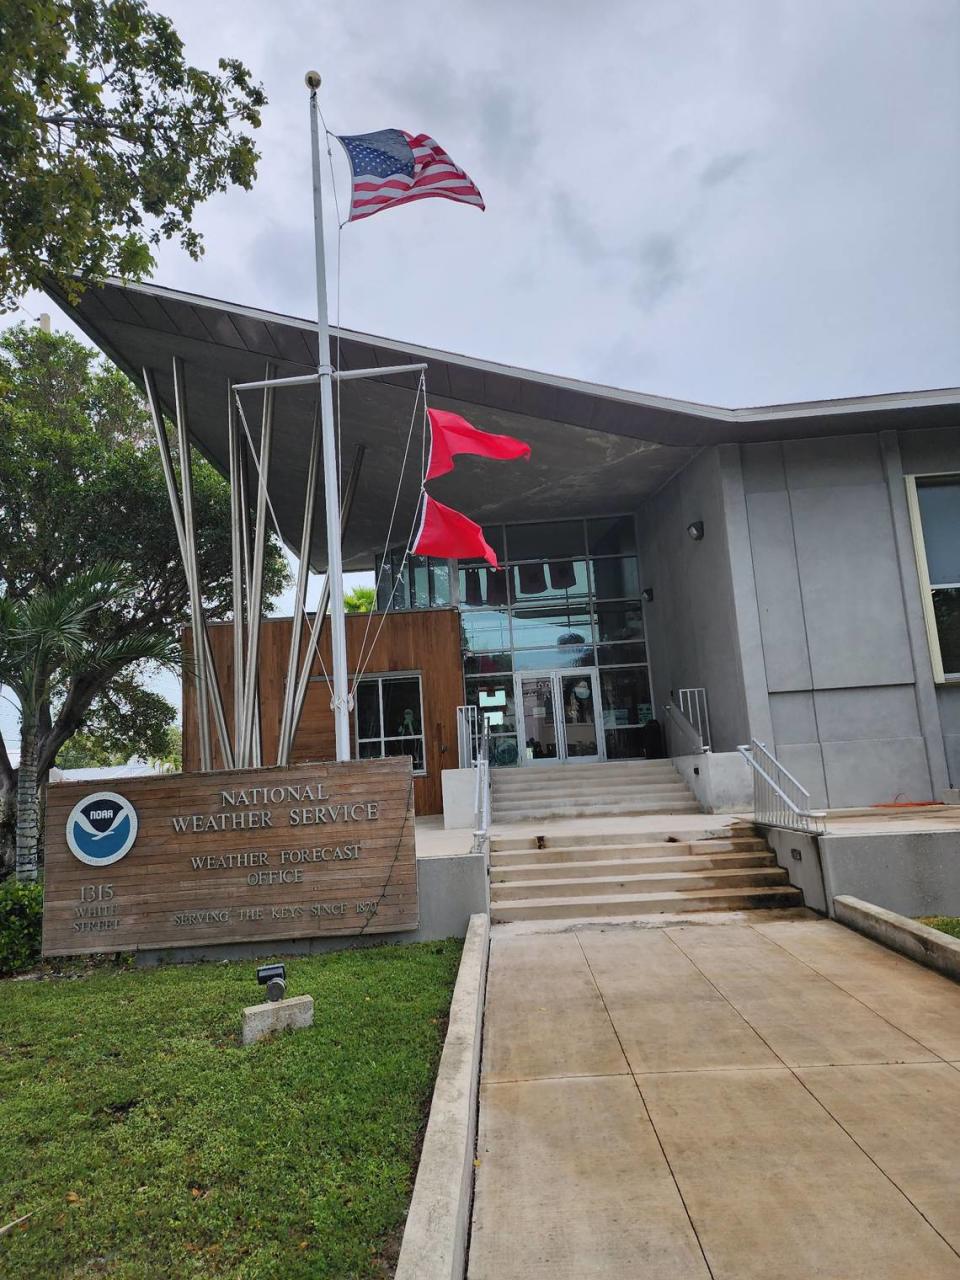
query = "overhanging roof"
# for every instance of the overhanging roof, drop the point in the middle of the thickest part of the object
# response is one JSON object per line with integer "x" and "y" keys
{"x": 595, "y": 448}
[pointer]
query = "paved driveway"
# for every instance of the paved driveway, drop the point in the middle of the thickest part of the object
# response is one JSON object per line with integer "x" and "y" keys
{"x": 778, "y": 1100}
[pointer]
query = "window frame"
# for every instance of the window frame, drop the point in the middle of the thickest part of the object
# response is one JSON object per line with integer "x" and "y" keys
{"x": 379, "y": 677}
{"x": 927, "y": 588}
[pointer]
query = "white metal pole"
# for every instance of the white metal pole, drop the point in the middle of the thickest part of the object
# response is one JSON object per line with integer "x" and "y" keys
{"x": 249, "y": 749}
{"x": 303, "y": 577}
{"x": 338, "y": 636}
{"x": 236, "y": 561}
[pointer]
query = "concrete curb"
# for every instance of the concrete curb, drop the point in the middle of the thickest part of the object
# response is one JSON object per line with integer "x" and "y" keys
{"x": 927, "y": 946}
{"x": 434, "y": 1242}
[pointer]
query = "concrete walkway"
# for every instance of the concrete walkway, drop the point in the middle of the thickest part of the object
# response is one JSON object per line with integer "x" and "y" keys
{"x": 773, "y": 1099}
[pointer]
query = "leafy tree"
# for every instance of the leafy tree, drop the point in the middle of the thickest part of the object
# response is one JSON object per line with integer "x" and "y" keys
{"x": 52, "y": 639}
{"x": 109, "y": 139}
{"x": 360, "y": 600}
{"x": 79, "y": 485}
{"x": 127, "y": 721}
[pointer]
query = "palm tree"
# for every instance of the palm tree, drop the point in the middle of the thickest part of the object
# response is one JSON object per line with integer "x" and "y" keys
{"x": 49, "y": 646}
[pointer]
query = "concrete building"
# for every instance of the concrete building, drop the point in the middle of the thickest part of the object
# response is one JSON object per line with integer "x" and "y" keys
{"x": 795, "y": 568}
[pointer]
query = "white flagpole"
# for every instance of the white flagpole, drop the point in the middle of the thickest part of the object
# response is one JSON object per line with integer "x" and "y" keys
{"x": 338, "y": 636}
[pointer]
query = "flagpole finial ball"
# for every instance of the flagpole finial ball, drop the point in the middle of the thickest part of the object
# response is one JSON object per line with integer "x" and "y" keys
{"x": 312, "y": 80}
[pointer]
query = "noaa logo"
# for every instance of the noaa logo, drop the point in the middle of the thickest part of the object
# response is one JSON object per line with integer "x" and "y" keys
{"x": 101, "y": 828}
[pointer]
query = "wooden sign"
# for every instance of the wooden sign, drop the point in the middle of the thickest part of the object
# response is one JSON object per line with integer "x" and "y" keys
{"x": 185, "y": 860}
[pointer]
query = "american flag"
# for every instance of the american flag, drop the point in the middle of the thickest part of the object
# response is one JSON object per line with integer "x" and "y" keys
{"x": 392, "y": 166}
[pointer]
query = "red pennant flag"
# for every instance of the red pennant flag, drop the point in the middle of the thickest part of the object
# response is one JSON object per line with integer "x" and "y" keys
{"x": 447, "y": 534}
{"x": 450, "y": 434}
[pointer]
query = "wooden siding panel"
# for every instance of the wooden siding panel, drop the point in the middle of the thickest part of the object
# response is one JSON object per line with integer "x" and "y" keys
{"x": 420, "y": 640}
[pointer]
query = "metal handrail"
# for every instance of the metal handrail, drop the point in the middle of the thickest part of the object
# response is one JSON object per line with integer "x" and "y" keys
{"x": 693, "y": 705}
{"x": 468, "y": 735}
{"x": 780, "y": 799}
{"x": 690, "y": 742}
{"x": 481, "y": 800}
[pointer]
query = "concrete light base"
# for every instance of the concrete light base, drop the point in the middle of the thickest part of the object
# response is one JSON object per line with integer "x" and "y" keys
{"x": 262, "y": 1020}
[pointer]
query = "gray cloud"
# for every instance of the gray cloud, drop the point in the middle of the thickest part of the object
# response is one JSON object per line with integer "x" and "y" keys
{"x": 724, "y": 167}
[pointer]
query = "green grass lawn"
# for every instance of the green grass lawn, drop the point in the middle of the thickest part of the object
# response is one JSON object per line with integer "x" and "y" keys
{"x": 150, "y": 1146}
{"x": 946, "y": 924}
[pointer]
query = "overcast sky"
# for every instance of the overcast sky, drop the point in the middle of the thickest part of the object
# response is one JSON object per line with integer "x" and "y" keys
{"x": 737, "y": 203}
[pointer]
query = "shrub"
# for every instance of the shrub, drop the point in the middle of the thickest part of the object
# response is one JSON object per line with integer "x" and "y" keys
{"x": 21, "y": 910}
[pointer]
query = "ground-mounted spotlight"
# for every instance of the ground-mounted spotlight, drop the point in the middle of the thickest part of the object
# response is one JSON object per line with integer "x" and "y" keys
{"x": 646, "y": 595}
{"x": 695, "y": 530}
{"x": 274, "y": 978}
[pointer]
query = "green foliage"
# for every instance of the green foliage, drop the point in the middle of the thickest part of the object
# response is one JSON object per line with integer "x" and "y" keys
{"x": 80, "y": 483}
{"x": 21, "y": 908}
{"x": 946, "y": 924}
{"x": 109, "y": 139}
{"x": 360, "y": 600}
{"x": 126, "y": 720}
{"x": 139, "y": 1131}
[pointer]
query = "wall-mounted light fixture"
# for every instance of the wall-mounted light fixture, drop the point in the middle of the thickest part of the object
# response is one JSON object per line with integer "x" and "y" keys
{"x": 646, "y": 595}
{"x": 695, "y": 530}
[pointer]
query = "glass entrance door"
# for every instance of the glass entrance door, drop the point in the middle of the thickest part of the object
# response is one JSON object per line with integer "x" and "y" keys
{"x": 557, "y": 716}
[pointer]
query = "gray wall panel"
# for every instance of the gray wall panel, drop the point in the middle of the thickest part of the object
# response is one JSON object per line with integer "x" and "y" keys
{"x": 849, "y": 715}
{"x": 782, "y": 626}
{"x": 878, "y": 772}
{"x": 691, "y": 624}
{"x": 852, "y": 599}
{"x": 794, "y": 717}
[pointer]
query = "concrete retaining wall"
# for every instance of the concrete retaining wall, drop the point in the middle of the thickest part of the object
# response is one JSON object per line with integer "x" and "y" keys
{"x": 928, "y": 946}
{"x": 799, "y": 855}
{"x": 720, "y": 780}
{"x": 435, "y": 1238}
{"x": 915, "y": 873}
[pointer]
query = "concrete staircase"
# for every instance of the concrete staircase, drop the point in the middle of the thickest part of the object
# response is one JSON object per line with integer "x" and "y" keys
{"x": 567, "y": 876}
{"x": 589, "y": 790}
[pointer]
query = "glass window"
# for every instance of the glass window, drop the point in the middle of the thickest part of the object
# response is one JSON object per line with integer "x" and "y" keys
{"x": 485, "y": 630}
{"x": 494, "y": 695}
{"x": 615, "y": 579}
{"x": 421, "y": 583}
{"x": 541, "y": 541}
{"x": 482, "y": 587}
{"x": 619, "y": 655}
{"x": 625, "y": 697}
{"x": 546, "y": 625}
{"x": 940, "y": 516}
{"x": 620, "y": 621}
{"x": 549, "y": 580}
{"x": 946, "y": 610}
{"x": 388, "y": 719}
{"x": 633, "y": 744}
{"x": 574, "y": 654}
{"x": 482, "y": 664}
{"x": 612, "y": 536}
{"x": 439, "y": 583}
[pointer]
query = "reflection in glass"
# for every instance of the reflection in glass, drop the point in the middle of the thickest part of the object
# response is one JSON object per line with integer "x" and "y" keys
{"x": 940, "y": 516}
{"x": 624, "y": 744}
{"x": 533, "y": 583}
{"x": 616, "y": 578}
{"x": 547, "y": 625}
{"x": 579, "y": 715}
{"x": 485, "y": 631}
{"x": 619, "y": 655}
{"x": 611, "y": 536}
{"x": 577, "y": 654}
{"x": 541, "y": 740}
{"x": 497, "y": 692}
{"x": 620, "y": 621}
{"x": 625, "y": 697}
{"x": 946, "y": 609}
{"x": 545, "y": 540}
{"x": 481, "y": 664}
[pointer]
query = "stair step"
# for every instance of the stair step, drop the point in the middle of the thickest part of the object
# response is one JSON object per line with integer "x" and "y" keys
{"x": 738, "y": 836}
{"x": 601, "y": 789}
{"x": 686, "y": 864}
{"x": 608, "y": 768}
{"x": 522, "y": 850}
{"x": 522, "y": 813}
{"x": 630, "y": 904}
{"x": 649, "y": 882}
